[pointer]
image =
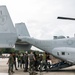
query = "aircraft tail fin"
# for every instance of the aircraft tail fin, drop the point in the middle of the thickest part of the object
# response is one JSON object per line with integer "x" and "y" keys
{"x": 21, "y": 29}
{"x": 8, "y": 34}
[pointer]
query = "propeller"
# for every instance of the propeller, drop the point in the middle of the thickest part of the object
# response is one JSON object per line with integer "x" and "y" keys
{"x": 66, "y": 18}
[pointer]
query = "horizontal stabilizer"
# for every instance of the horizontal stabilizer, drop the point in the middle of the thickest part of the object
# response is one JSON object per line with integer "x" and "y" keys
{"x": 22, "y": 47}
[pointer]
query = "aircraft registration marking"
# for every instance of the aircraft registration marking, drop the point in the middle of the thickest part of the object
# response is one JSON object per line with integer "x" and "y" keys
{"x": 2, "y": 18}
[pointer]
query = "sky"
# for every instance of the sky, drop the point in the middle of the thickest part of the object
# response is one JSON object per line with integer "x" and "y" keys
{"x": 40, "y": 16}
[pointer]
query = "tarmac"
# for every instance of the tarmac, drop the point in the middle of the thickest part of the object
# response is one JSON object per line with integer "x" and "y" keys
{"x": 4, "y": 70}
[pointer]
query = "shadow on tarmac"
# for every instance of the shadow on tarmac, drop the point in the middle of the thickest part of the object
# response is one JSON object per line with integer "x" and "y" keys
{"x": 67, "y": 70}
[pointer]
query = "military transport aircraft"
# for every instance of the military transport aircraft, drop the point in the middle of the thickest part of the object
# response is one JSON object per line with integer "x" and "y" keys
{"x": 63, "y": 49}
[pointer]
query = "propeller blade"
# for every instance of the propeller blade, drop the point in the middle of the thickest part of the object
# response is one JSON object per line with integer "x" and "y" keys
{"x": 66, "y": 18}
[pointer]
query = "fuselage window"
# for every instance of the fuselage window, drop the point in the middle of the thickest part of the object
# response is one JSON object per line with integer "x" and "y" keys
{"x": 63, "y": 53}
{"x": 57, "y": 53}
{"x": 68, "y": 53}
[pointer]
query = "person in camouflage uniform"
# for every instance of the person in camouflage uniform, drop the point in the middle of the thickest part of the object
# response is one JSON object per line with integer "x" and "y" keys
{"x": 26, "y": 61}
{"x": 19, "y": 60}
{"x": 31, "y": 59}
{"x": 11, "y": 62}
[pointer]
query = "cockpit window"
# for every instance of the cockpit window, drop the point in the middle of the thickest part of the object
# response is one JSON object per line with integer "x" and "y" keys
{"x": 63, "y": 53}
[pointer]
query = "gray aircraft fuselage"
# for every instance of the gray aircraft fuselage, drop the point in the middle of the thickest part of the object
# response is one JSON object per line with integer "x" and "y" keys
{"x": 55, "y": 47}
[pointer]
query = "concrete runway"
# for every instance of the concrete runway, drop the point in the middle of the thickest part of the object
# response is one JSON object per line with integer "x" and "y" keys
{"x": 4, "y": 70}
